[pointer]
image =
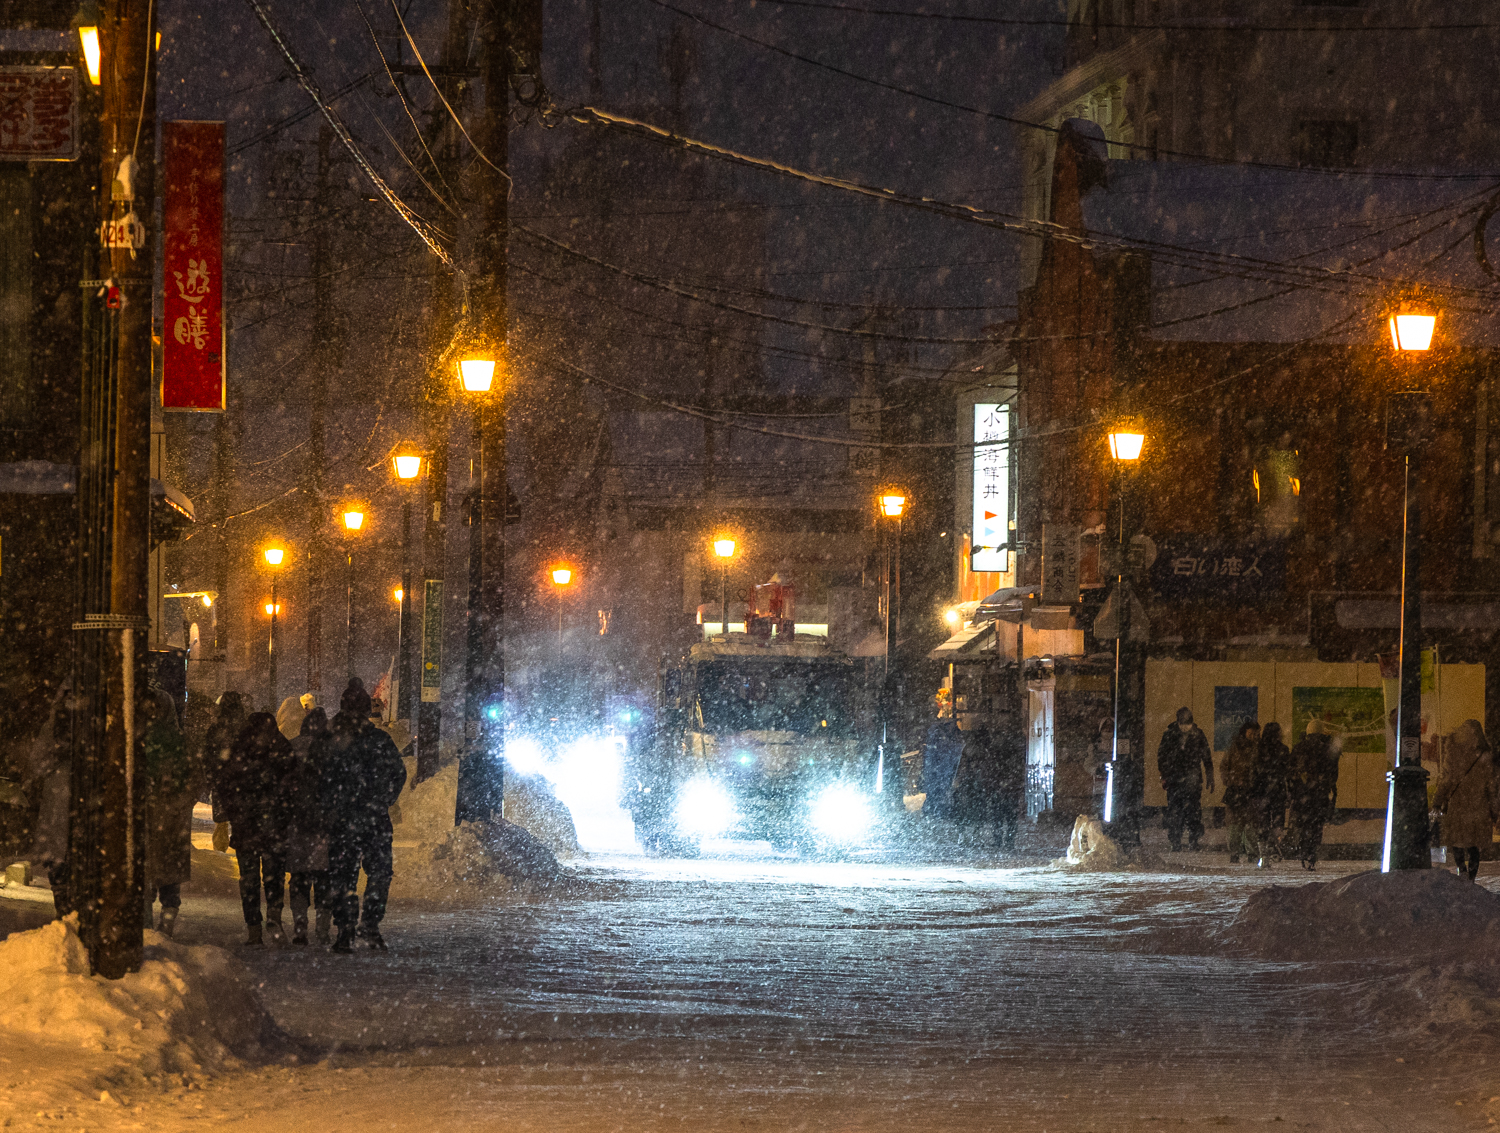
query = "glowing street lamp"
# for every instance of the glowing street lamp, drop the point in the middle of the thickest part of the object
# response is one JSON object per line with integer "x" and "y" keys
{"x": 397, "y": 595}
{"x": 1126, "y": 440}
{"x": 274, "y": 557}
{"x": 272, "y": 609}
{"x": 407, "y": 461}
{"x": 724, "y": 547}
{"x": 354, "y": 522}
{"x": 891, "y": 503}
{"x": 1412, "y": 325}
{"x": 476, "y": 374}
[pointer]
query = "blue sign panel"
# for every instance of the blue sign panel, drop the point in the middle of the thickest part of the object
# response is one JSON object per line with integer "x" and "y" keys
{"x": 1222, "y": 570}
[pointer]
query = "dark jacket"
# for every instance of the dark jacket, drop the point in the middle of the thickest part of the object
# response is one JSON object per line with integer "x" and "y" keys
{"x": 1314, "y": 780}
{"x": 1269, "y": 778}
{"x": 361, "y": 773}
{"x": 217, "y": 746}
{"x": 945, "y": 743}
{"x": 1183, "y": 758}
{"x": 254, "y": 789}
{"x": 172, "y": 778}
{"x": 1239, "y": 773}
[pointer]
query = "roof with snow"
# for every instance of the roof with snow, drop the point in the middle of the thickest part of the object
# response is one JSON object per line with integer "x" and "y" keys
{"x": 1245, "y": 254}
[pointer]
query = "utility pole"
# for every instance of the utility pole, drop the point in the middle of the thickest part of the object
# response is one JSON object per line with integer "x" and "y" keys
{"x": 482, "y": 781}
{"x": 105, "y": 853}
{"x": 323, "y": 360}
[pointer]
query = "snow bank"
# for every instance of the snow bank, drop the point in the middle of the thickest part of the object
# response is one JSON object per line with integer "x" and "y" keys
{"x": 476, "y": 862}
{"x": 427, "y": 809}
{"x": 1402, "y": 915}
{"x": 188, "y": 1009}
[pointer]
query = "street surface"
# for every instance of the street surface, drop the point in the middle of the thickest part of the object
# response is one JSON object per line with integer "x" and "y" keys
{"x": 741, "y": 994}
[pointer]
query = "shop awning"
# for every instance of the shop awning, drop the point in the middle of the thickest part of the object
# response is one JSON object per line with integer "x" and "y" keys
{"x": 966, "y": 643}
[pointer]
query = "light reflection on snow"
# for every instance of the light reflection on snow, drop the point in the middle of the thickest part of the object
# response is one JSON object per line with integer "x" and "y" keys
{"x": 585, "y": 774}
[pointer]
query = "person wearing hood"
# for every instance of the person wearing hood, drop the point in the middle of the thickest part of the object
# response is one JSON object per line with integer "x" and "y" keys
{"x": 1239, "y": 772}
{"x": 255, "y": 794}
{"x": 1268, "y": 793}
{"x": 1313, "y": 786}
{"x": 940, "y": 756}
{"x": 289, "y": 715}
{"x": 361, "y": 775}
{"x": 1185, "y": 762}
{"x": 173, "y": 778}
{"x": 307, "y": 839}
{"x": 1466, "y": 797}
{"x": 217, "y": 746}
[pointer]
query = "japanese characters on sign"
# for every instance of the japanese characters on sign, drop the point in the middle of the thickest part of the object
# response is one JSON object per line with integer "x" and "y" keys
{"x": 991, "y": 530}
{"x": 38, "y": 114}
{"x": 1060, "y": 563}
{"x": 193, "y": 327}
{"x": 1198, "y": 566}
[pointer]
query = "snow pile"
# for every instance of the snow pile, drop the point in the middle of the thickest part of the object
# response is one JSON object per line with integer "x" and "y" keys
{"x": 1370, "y": 916}
{"x": 1091, "y": 848}
{"x": 427, "y": 809}
{"x": 531, "y": 804}
{"x": 477, "y": 861}
{"x": 187, "y": 1009}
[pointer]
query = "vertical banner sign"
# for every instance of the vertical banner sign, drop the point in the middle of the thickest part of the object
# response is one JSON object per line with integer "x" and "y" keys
{"x": 432, "y": 641}
{"x": 192, "y": 371}
{"x": 991, "y": 532}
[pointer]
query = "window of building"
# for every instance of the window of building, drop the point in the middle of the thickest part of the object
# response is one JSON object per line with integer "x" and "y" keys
{"x": 1325, "y": 143}
{"x": 1276, "y": 479}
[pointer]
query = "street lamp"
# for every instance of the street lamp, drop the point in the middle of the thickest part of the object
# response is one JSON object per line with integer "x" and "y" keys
{"x": 407, "y": 461}
{"x": 891, "y": 503}
{"x": 87, "y": 22}
{"x": 354, "y": 522}
{"x": 724, "y": 551}
{"x": 481, "y": 779}
{"x": 1412, "y": 323}
{"x": 562, "y": 578}
{"x": 1127, "y": 440}
{"x": 274, "y": 557}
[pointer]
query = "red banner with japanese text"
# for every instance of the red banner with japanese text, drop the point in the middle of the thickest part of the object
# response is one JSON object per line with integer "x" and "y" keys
{"x": 193, "y": 341}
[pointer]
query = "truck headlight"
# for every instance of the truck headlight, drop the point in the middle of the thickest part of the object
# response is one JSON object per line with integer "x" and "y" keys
{"x": 841, "y": 813}
{"x": 704, "y": 809}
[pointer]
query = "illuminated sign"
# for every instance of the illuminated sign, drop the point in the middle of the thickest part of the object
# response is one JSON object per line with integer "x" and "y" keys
{"x": 991, "y": 531}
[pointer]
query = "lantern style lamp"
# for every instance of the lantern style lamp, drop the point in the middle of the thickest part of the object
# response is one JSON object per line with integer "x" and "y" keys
{"x": 1126, "y": 441}
{"x": 1412, "y": 324}
{"x": 476, "y": 374}
{"x": 562, "y": 575}
{"x": 274, "y": 555}
{"x": 892, "y": 503}
{"x": 407, "y": 462}
{"x": 353, "y": 519}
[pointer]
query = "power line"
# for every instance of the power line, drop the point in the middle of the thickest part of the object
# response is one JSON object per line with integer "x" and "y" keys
{"x": 1042, "y": 127}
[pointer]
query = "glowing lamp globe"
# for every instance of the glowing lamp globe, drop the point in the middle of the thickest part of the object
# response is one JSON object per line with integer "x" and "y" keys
{"x": 477, "y": 374}
{"x": 1126, "y": 444}
{"x": 408, "y": 465}
{"x": 274, "y": 555}
{"x": 354, "y": 520}
{"x": 398, "y": 594}
{"x": 724, "y": 547}
{"x": 892, "y": 505}
{"x": 1412, "y": 325}
{"x": 561, "y": 576}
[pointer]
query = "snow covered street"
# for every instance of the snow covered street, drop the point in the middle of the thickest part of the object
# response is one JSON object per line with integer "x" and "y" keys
{"x": 786, "y": 994}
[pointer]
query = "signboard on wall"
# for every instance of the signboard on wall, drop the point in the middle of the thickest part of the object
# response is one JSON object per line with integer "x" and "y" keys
{"x": 1223, "y": 570}
{"x": 1060, "y": 554}
{"x": 38, "y": 114}
{"x": 192, "y": 373}
{"x": 991, "y": 520}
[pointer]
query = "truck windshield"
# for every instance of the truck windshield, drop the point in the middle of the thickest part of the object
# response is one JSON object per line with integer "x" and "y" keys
{"x": 767, "y": 697}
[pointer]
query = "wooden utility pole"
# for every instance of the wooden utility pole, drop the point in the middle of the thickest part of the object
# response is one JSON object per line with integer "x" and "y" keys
{"x": 323, "y": 361}
{"x": 105, "y": 854}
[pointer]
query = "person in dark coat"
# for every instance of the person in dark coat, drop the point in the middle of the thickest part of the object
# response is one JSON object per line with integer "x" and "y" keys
{"x": 254, "y": 793}
{"x": 1186, "y": 763}
{"x": 940, "y": 755}
{"x": 307, "y": 838}
{"x": 1466, "y": 797}
{"x": 173, "y": 778}
{"x": 362, "y": 776}
{"x": 1010, "y": 779}
{"x": 217, "y": 745}
{"x": 1313, "y": 786}
{"x": 1239, "y": 769}
{"x": 1268, "y": 793}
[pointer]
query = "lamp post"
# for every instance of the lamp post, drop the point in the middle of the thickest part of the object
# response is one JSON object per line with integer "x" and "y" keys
{"x": 481, "y": 773}
{"x": 1127, "y": 440}
{"x": 274, "y": 557}
{"x": 562, "y": 578}
{"x": 724, "y": 551}
{"x": 354, "y": 522}
{"x": 1412, "y": 324}
{"x": 890, "y": 504}
{"x": 407, "y": 463}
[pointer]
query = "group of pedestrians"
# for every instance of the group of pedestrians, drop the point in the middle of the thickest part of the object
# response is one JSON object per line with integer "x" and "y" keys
{"x": 976, "y": 777}
{"x": 1276, "y": 799}
{"x": 315, "y": 807}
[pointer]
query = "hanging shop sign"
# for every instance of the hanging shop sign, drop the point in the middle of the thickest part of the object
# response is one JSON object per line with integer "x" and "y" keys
{"x": 38, "y": 114}
{"x": 193, "y": 338}
{"x": 1223, "y": 570}
{"x": 991, "y": 531}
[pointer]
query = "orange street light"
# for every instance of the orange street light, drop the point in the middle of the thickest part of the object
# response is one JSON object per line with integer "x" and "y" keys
{"x": 561, "y": 576}
{"x": 1412, "y": 324}
{"x": 476, "y": 374}
{"x": 274, "y": 555}
{"x": 1126, "y": 440}
{"x": 354, "y": 519}
{"x": 407, "y": 462}
{"x": 892, "y": 503}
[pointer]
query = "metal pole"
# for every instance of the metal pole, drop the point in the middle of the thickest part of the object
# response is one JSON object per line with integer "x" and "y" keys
{"x": 271, "y": 648}
{"x": 349, "y": 613}
{"x": 559, "y": 619}
{"x": 403, "y": 663}
{"x": 724, "y": 600}
{"x": 1406, "y": 808}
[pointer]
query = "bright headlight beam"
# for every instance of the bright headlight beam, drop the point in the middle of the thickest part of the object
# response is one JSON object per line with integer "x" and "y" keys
{"x": 704, "y": 809}
{"x": 841, "y": 813}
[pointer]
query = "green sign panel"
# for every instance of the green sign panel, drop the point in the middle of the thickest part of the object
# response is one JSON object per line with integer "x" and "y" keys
{"x": 432, "y": 641}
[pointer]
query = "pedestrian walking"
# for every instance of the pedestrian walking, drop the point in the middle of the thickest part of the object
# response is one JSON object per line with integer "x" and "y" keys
{"x": 1268, "y": 793}
{"x": 1186, "y": 764}
{"x": 1010, "y": 779}
{"x": 976, "y": 782}
{"x": 362, "y": 776}
{"x": 940, "y": 756}
{"x": 254, "y": 796}
{"x": 1466, "y": 796}
{"x": 1312, "y": 788}
{"x": 307, "y": 836}
{"x": 172, "y": 777}
{"x": 1239, "y": 772}
{"x": 218, "y": 744}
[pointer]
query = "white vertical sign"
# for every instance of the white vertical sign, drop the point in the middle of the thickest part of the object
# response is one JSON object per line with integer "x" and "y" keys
{"x": 991, "y": 530}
